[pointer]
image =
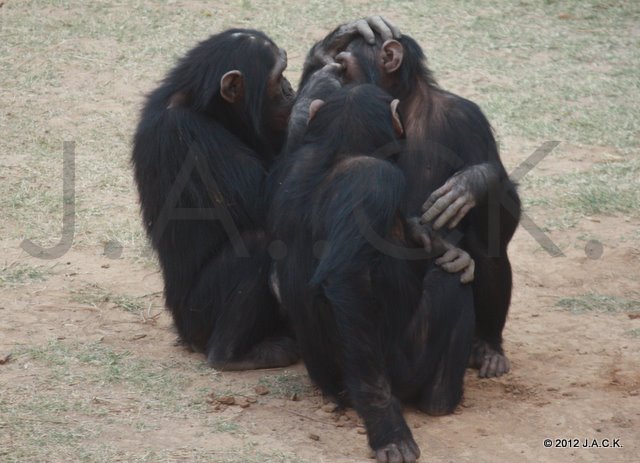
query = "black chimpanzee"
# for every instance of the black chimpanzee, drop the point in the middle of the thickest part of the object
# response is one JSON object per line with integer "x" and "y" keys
{"x": 206, "y": 138}
{"x": 377, "y": 320}
{"x": 451, "y": 159}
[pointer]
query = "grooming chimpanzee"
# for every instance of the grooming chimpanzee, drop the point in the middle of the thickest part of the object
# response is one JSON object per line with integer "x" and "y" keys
{"x": 378, "y": 321}
{"x": 206, "y": 138}
{"x": 451, "y": 159}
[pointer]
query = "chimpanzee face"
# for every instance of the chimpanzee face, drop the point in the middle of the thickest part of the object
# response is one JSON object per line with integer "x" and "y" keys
{"x": 280, "y": 95}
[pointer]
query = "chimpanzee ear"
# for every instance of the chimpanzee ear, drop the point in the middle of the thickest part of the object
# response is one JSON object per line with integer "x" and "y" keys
{"x": 232, "y": 86}
{"x": 314, "y": 107}
{"x": 391, "y": 55}
{"x": 397, "y": 123}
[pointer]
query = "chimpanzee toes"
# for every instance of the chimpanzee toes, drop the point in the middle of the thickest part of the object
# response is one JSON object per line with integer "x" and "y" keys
{"x": 494, "y": 365}
{"x": 402, "y": 452}
{"x": 490, "y": 362}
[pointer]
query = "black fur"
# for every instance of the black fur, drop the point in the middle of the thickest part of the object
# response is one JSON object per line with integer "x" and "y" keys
{"x": 374, "y": 329}
{"x": 455, "y": 136}
{"x": 200, "y": 165}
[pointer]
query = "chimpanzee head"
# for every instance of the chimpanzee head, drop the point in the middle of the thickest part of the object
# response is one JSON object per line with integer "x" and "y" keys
{"x": 237, "y": 78}
{"x": 394, "y": 65}
{"x": 356, "y": 119}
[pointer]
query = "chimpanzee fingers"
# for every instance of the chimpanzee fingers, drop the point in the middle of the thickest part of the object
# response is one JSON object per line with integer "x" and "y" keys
{"x": 363, "y": 28}
{"x": 382, "y": 456}
{"x": 447, "y": 257}
{"x": 449, "y": 213}
{"x": 395, "y": 32}
{"x": 410, "y": 451}
{"x": 438, "y": 208}
{"x": 426, "y": 242}
{"x": 494, "y": 365}
{"x": 333, "y": 68}
{"x": 469, "y": 273}
{"x": 392, "y": 454}
{"x": 461, "y": 214}
{"x": 433, "y": 197}
{"x": 489, "y": 366}
{"x": 379, "y": 25}
{"x": 457, "y": 265}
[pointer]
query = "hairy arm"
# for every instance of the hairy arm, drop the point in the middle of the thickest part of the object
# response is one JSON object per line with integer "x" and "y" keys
{"x": 482, "y": 185}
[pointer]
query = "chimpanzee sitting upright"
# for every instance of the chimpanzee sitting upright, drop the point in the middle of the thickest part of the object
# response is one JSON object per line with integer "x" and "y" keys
{"x": 205, "y": 141}
{"x": 451, "y": 159}
{"x": 377, "y": 320}
{"x": 206, "y": 138}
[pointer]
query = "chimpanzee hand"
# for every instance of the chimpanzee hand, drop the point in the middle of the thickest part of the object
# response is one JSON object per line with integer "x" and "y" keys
{"x": 449, "y": 257}
{"x": 450, "y": 203}
{"x": 457, "y": 260}
{"x": 321, "y": 84}
{"x": 367, "y": 28}
{"x": 326, "y": 50}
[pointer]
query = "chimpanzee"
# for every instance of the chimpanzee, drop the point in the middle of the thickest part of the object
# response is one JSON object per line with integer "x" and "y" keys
{"x": 205, "y": 140}
{"x": 378, "y": 321}
{"x": 451, "y": 159}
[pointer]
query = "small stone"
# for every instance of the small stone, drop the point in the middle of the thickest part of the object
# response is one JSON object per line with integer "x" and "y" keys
{"x": 261, "y": 390}
{"x": 313, "y": 436}
{"x": 227, "y": 400}
{"x": 329, "y": 408}
{"x": 362, "y": 431}
{"x": 5, "y": 358}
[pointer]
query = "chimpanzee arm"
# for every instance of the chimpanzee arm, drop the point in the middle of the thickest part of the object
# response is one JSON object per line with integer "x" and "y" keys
{"x": 480, "y": 184}
{"x": 323, "y": 52}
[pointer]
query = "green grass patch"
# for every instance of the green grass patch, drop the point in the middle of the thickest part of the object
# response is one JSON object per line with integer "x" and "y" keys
{"x": 97, "y": 296}
{"x": 598, "y": 303}
{"x": 77, "y": 391}
{"x": 286, "y": 384}
{"x": 634, "y": 333}
{"x": 19, "y": 274}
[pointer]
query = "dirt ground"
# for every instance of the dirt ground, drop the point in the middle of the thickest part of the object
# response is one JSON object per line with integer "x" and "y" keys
{"x": 89, "y": 368}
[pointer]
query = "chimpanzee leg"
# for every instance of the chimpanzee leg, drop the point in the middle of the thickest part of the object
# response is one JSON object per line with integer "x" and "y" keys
{"x": 247, "y": 330}
{"x": 492, "y": 297}
{"x": 358, "y": 203}
{"x": 358, "y": 321}
{"x": 446, "y": 313}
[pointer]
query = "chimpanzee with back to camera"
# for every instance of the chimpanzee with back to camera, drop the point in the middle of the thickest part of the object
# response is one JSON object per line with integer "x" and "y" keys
{"x": 452, "y": 159}
{"x": 205, "y": 140}
{"x": 378, "y": 322}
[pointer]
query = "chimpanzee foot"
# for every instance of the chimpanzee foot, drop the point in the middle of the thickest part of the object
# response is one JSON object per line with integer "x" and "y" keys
{"x": 404, "y": 451}
{"x": 270, "y": 353}
{"x": 490, "y": 362}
